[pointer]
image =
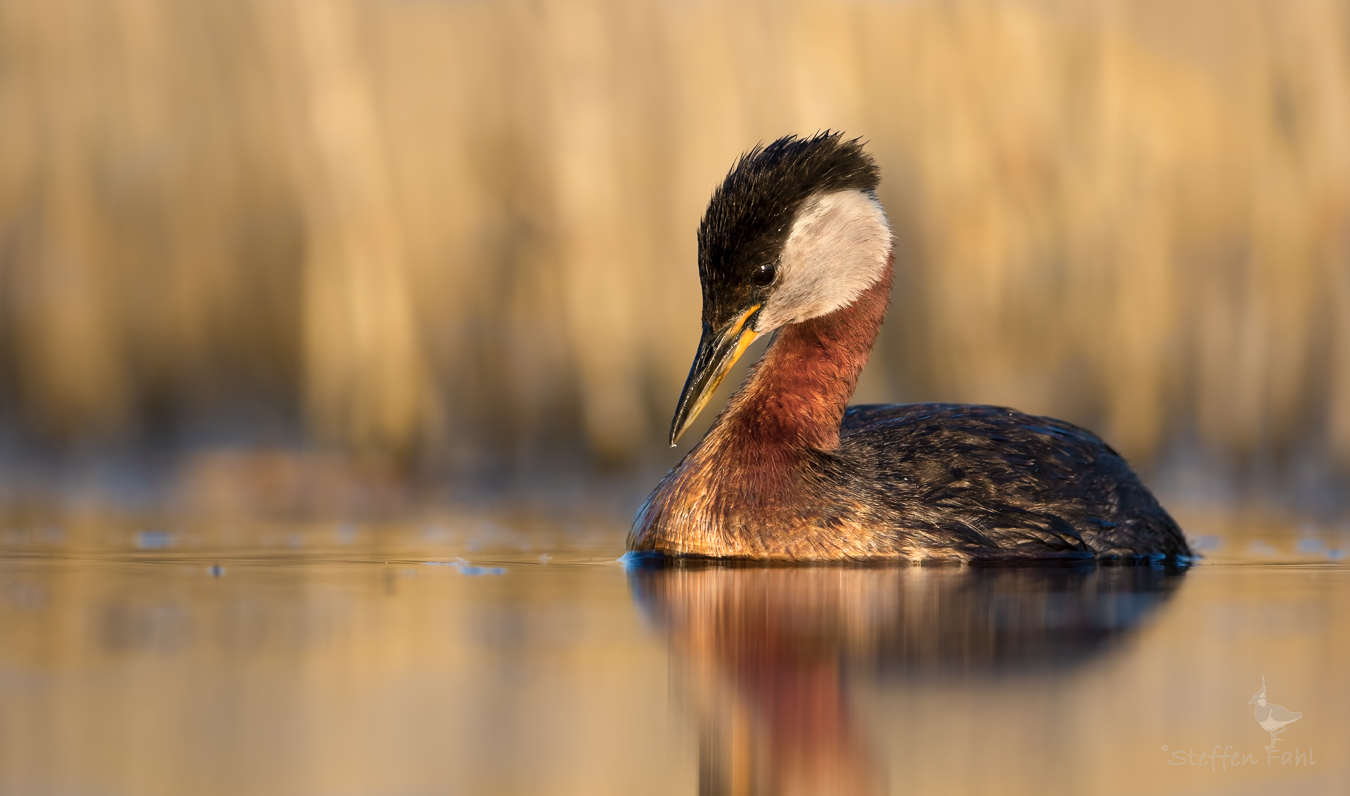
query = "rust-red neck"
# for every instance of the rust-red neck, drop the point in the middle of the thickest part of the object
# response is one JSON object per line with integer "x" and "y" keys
{"x": 796, "y": 396}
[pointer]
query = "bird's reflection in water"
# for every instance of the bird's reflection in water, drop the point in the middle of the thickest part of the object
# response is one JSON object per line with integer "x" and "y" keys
{"x": 765, "y": 654}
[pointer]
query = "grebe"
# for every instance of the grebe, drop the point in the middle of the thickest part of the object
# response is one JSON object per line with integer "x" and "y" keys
{"x": 794, "y": 242}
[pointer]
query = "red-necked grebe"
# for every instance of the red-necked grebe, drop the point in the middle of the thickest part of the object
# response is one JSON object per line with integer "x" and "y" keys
{"x": 794, "y": 242}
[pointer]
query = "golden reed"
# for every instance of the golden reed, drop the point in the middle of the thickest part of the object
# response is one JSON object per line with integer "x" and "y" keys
{"x": 463, "y": 226}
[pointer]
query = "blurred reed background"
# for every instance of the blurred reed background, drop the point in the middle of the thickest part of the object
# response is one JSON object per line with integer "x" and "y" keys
{"x": 459, "y": 236}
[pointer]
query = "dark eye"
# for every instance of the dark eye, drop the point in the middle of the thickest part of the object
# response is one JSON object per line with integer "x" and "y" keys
{"x": 764, "y": 275}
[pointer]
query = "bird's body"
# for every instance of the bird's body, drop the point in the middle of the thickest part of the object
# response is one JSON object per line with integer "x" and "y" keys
{"x": 790, "y": 473}
{"x": 1273, "y": 717}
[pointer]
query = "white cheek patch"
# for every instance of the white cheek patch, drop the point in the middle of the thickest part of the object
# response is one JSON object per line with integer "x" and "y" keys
{"x": 838, "y": 247}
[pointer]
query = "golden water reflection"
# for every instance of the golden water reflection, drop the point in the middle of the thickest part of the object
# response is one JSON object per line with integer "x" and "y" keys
{"x": 484, "y": 655}
{"x": 766, "y": 653}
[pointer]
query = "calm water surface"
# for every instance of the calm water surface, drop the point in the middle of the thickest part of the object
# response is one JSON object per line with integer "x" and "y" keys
{"x": 476, "y": 657}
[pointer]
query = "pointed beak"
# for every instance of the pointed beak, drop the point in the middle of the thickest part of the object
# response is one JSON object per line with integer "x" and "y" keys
{"x": 717, "y": 352}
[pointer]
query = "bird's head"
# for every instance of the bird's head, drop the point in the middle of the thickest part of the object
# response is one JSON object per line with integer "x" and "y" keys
{"x": 793, "y": 232}
{"x": 1259, "y": 698}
